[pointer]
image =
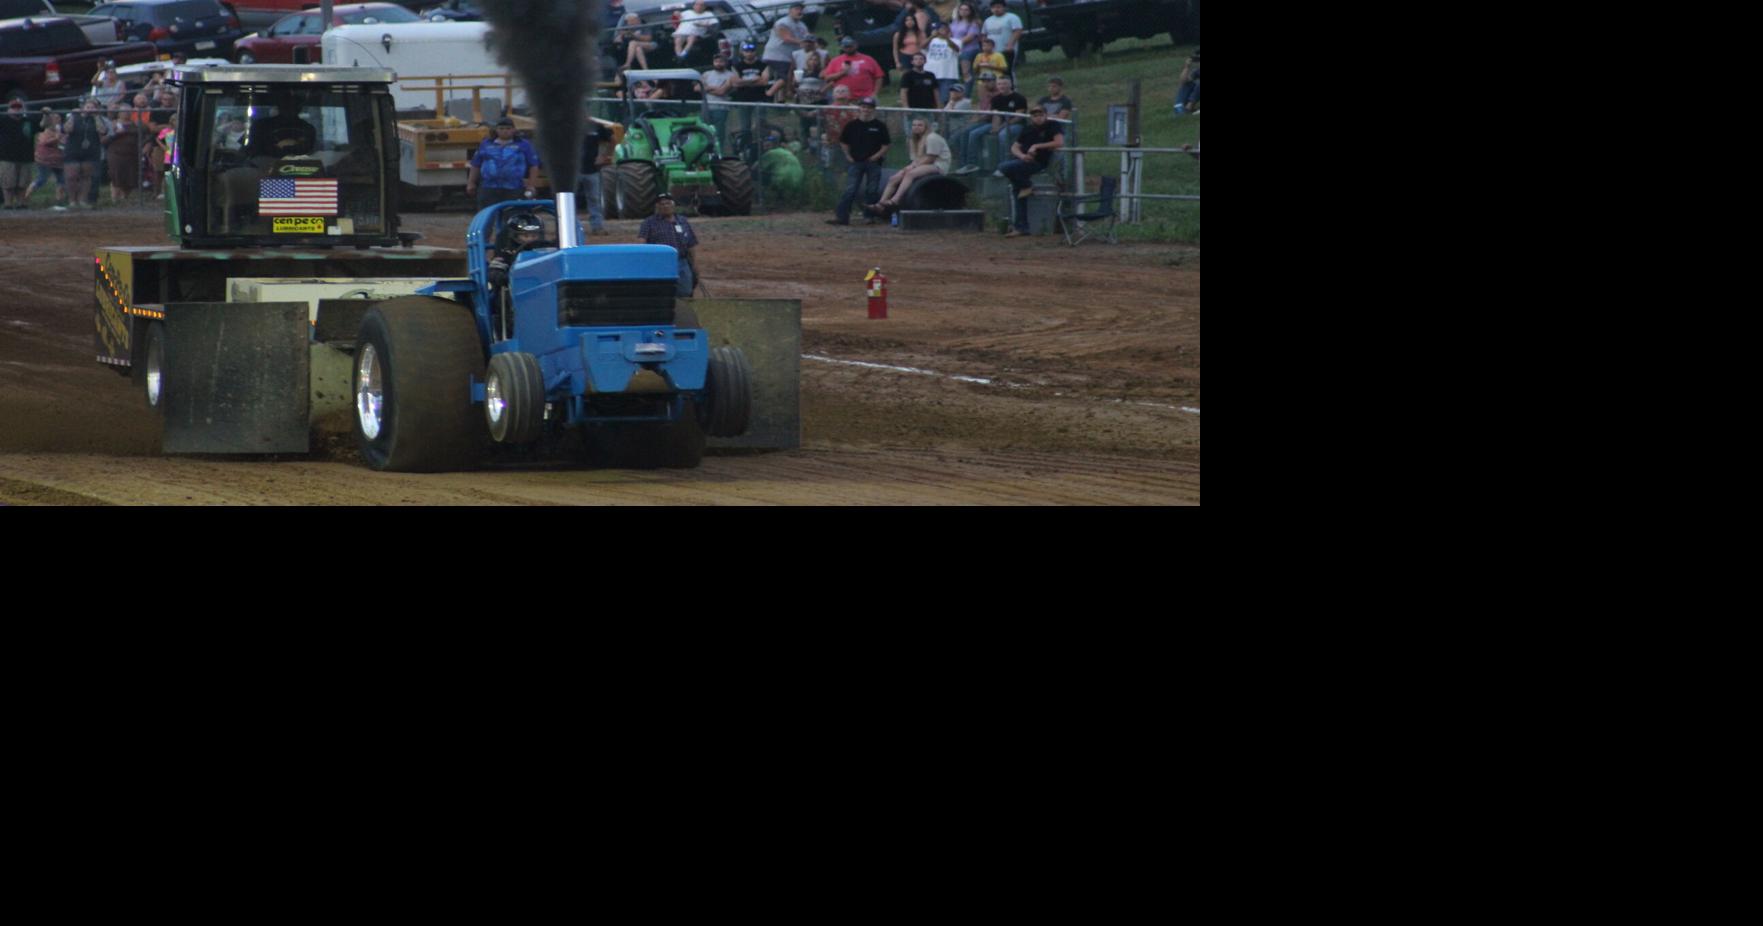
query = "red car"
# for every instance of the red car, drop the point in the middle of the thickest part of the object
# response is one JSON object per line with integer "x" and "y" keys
{"x": 294, "y": 39}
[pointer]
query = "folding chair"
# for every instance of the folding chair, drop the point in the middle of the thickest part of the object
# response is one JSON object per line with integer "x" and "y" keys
{"x": 1105, "y": 210}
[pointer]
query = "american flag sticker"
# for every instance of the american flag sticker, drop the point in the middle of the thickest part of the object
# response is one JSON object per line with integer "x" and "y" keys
{"x": 296, "y": 197}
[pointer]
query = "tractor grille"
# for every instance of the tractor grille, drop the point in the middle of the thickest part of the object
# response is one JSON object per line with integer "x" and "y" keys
{"x": 646, "y": 302}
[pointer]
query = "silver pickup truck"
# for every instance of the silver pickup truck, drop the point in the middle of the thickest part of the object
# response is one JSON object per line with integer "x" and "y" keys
{"x": 99, "y": 30}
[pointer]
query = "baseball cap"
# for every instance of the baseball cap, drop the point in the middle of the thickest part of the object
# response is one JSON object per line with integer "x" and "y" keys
{"x": 866, "y": 101}
{"x": 1032, "y": 110}
{"x": 661, "y": 196}
{"x": 847, "y": 42}
{"x": 504, "y": 121}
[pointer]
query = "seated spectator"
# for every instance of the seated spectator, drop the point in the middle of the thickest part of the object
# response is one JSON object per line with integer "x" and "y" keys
{"x": 930, "y": 156}
{"x": 1187, "y": 98}
{"x": 694, "y": 24}
{"x": 1029, "y": 154}
{"x": 637, "y": 41}
{"x": 1056, "y": 103}
{"x": 977, "y": 139}
{"x": 957, "y": 126}
{"x": 1007, "y": 127}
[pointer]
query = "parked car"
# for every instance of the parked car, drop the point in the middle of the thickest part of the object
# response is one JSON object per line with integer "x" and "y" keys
{"x": 99, "y": 29}
{"x": 49, "y": 58}
{"x": 295, "y": 39}
{"x": 737, "y": 21}
{"x": 189, "y": 27}
{"x": 462, "y": 11}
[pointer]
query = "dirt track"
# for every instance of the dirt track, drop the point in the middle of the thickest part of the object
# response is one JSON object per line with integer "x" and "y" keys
{"x": 1090, "y": 360}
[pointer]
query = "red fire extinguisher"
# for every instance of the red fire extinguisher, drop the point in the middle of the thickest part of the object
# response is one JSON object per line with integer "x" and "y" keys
{"x": 878, "y": 293}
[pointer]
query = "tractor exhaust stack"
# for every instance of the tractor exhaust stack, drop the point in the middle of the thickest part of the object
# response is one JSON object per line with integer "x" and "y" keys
{"x": 566, "y": 227}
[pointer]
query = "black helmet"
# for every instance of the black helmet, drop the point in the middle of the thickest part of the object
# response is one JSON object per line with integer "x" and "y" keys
{"x": 524, "y": 222}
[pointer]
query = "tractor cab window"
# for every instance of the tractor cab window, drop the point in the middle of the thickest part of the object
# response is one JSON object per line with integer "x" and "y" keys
{"x": 276, "y": 154}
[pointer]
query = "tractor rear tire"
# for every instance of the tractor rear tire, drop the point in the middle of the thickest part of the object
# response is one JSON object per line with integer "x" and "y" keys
{"x": 734, "y": 181}
{"x": 414, "y": 362}
{"x": 609, "y": 192}
{"x": 729, "y": 390}
{"x": 638, "y": 185}
{"x": 514, "y": 398}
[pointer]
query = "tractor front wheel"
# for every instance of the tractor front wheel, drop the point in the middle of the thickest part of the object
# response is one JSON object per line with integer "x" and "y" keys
{"x": 414, "y": 362}
{"x": 729, "y": 393}
{"x": 734, "y": 180}
{"x": 514, "y": 398}
{"x": 638, "y": 184}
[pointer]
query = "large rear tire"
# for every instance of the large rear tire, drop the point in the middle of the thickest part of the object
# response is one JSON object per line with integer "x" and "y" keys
{"x": 638, "y": 185}
{"x": 609, "y": 192}
{"x": 514, "y": 398}
{"x": 734, "y": 181}
{"x": 414, "y": 362}
{"x": 729, "y": 387}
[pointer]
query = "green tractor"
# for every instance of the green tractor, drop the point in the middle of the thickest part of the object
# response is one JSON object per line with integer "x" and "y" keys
{"x": 670, "y": 145}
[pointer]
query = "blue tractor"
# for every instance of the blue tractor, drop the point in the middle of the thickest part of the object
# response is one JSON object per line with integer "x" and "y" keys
{"x": 583, "y": 339}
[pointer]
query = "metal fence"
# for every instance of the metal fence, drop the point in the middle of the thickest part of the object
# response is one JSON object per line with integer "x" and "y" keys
{"x": 751, "y": 131}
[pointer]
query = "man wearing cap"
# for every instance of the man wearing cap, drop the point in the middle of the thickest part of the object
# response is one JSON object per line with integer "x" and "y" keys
{"x": 504, "y": 168}
{"x": 1030, "y": 154}
{"x": 17, "y": 155}
{"x": 854, "y": 69}
{"x": 674, "y": 231}
{"x": 866, "y": 145}
{"x": 752, "y": 80}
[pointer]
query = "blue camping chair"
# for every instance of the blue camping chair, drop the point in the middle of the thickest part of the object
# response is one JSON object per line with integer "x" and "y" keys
{"x": 1104, "y": 210}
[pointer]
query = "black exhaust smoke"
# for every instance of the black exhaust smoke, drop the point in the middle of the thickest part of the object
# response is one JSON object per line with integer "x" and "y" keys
{"x": 549, "y": 44}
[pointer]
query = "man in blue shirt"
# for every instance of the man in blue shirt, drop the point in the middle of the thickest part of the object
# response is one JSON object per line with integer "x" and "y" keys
{"x": 504, "y": 168}
{"x": 673, "y": 230}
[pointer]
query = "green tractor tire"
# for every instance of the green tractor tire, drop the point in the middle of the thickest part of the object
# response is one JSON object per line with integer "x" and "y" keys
{"x": 734, "y": 182}
{"x": 638, "y": 183}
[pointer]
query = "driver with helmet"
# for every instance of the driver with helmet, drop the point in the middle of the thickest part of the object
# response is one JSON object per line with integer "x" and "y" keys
{"x": 522, "y": 231}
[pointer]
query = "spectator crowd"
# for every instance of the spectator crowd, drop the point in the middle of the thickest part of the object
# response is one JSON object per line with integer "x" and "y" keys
{"x": 119, "y": 137}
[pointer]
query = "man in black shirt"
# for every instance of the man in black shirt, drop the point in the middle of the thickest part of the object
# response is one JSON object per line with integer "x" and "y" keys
{"x": 865, "y": 141}
{"x": 918, "y": 88}
{"x": 589, "y": 189}
{"x": 17, "y": 154}
{"x": 1006, "y": 128}
{"x": 1030, "y": 154}
{"x": 751, "y": 79}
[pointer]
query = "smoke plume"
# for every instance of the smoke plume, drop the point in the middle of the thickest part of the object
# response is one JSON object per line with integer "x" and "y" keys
{"x": 549, "y": 45}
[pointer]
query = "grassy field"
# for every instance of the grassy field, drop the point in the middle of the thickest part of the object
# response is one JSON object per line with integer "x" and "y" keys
{"x": 1098, "y": 80}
